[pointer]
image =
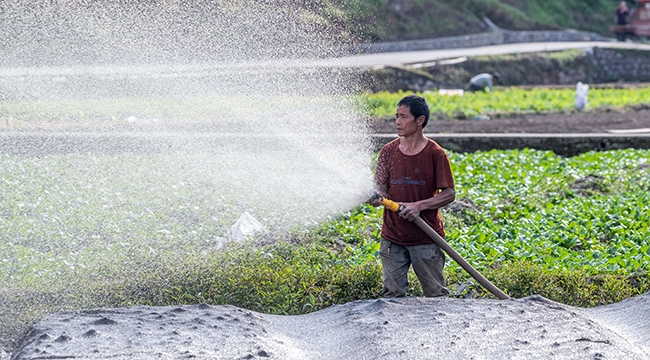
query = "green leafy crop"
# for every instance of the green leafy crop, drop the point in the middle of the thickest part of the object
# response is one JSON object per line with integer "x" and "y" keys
{"x": 508, "y": 100}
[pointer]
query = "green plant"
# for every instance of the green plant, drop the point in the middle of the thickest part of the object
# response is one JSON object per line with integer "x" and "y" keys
{"x": 509, "y": 100}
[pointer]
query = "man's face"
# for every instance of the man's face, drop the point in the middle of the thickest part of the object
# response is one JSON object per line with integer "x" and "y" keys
{"x": 405, "y": 122}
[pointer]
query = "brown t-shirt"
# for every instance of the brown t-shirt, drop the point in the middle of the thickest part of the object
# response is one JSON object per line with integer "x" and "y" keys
{"x": 412, "y": 178}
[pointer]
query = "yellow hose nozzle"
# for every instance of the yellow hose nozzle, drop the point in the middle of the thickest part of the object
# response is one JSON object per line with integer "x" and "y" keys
{"x": 390, "y": 204}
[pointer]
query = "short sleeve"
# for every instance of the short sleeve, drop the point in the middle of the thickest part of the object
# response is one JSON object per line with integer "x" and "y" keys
{"x": 444, "y": 176}
{"x": 382, "y": 172}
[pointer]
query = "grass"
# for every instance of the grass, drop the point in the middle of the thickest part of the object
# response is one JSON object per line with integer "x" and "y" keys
{"x": 563, "y": 57}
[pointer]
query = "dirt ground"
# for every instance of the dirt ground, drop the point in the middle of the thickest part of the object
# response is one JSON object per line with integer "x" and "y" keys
{"x": 595, "y": 121}
{"x": 390, "y": 329}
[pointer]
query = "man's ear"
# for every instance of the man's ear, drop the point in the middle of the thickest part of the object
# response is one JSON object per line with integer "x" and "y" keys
{"x": 420, "y": 120}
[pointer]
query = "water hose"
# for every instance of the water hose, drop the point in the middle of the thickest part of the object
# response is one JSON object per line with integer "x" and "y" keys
{"x": 393, "y": 206}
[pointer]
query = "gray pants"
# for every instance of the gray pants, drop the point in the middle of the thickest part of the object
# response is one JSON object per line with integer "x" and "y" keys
{"x": 428, "y": 262}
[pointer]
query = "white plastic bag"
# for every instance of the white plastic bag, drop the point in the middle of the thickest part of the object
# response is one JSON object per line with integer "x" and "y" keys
{"x": 245, "y": 227}
{"x": 582, "y": 92}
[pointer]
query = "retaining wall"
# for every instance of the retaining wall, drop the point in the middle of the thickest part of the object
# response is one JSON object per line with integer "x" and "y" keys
{"x": 485, "y": 39}
{"x": 619, "y": 65}
{"x": 593, "y": 66}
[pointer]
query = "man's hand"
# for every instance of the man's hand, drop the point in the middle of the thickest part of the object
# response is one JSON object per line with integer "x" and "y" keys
{"x": 410, "y": 211}
{"x": 413, "y": 209}
{"x": 375, "y": 200}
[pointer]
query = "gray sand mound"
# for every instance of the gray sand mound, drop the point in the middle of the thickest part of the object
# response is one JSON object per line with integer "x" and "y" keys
{"x": 407, "y": 328}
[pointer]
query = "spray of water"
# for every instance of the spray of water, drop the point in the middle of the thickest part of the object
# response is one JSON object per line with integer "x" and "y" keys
{"x": 242, "y": 71}
{"x": 164, "y": 121}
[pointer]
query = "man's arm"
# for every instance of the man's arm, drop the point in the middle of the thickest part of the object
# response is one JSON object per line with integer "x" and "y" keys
{"x": 413, "y": 210}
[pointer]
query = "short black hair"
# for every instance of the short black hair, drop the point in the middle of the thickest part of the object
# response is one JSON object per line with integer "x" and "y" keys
{"x": 418, "y": 107}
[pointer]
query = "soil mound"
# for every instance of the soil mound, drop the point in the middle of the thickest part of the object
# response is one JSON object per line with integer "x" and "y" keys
{"x": 407, "y": 328}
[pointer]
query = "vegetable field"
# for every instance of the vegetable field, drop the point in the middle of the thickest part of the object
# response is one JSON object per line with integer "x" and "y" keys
{"x": 509, "y": 100}
{"x": 588, "y": 213}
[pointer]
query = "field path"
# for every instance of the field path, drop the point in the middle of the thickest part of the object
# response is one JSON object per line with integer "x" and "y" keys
{"x": 414, "y": 57}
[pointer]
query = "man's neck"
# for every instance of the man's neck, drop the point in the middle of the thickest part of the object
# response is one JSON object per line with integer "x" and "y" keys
{"x": 413, "y": 144}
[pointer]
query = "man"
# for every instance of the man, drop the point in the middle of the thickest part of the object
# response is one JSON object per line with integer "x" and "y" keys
{"x": 481, "y": 81}
{"x": 414, "y": 172}
{"x": 622, "y": 11}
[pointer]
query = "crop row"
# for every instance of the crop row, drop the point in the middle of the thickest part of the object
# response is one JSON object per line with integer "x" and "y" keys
{"x": 382, "y": 104}
{"x": 508, "y": 100}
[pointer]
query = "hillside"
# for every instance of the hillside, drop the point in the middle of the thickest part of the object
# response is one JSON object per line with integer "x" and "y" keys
{"x": 83, "y": 31}
{"x": 388, "y": 20}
